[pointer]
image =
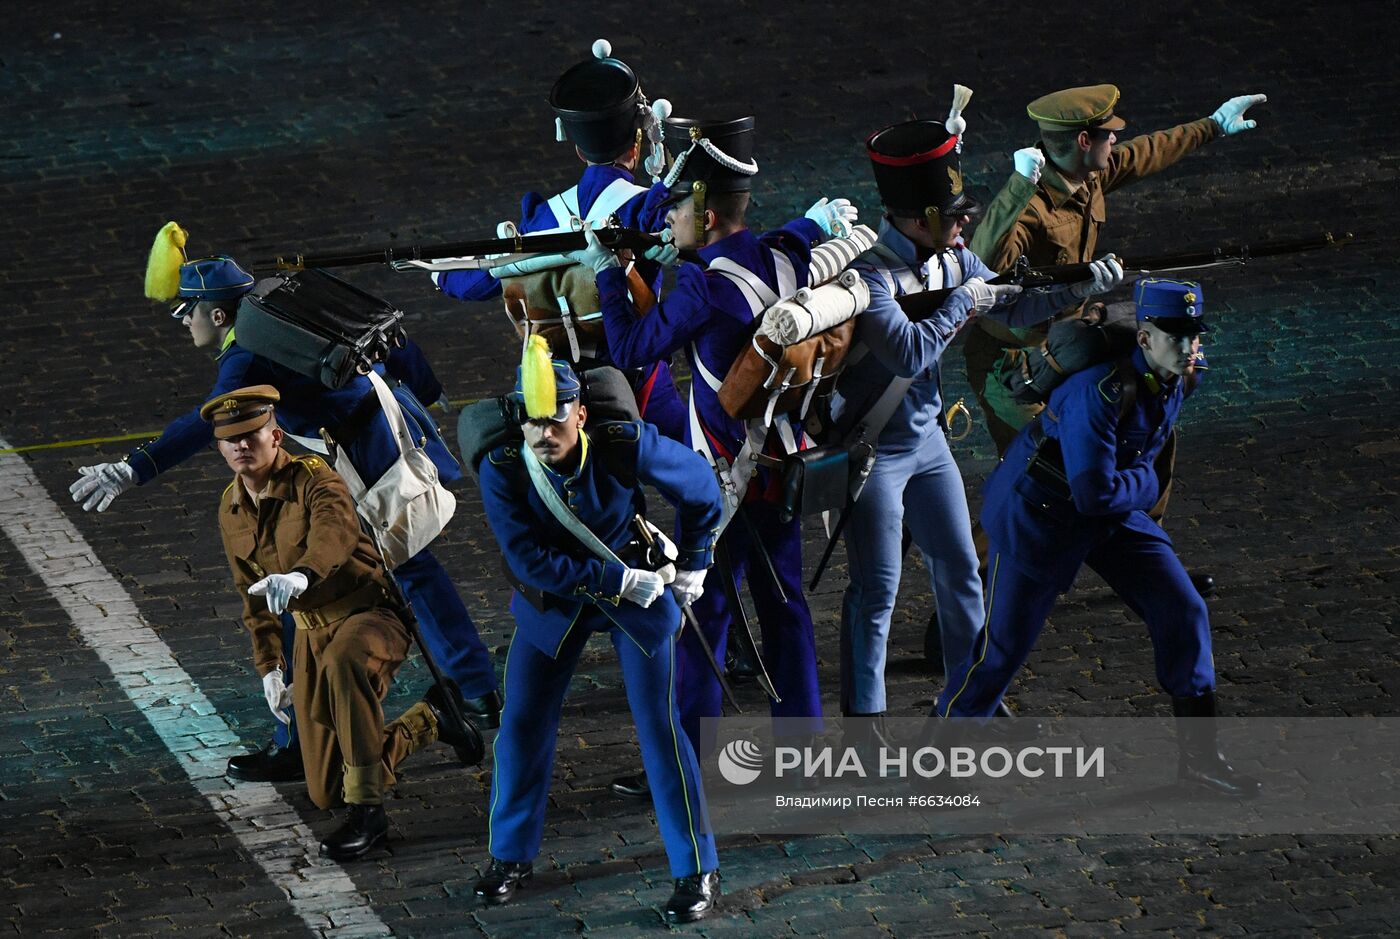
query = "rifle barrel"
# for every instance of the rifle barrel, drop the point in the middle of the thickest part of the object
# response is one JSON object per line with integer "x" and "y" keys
{"x": 551, "y": 243}
{"x": 919, "y": 306}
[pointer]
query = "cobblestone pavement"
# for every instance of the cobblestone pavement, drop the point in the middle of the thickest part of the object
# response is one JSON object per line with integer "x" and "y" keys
{"x": 268, "y": 128}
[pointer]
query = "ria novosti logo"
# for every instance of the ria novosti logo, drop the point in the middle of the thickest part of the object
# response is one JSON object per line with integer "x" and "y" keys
{"x": 740, "y": 762}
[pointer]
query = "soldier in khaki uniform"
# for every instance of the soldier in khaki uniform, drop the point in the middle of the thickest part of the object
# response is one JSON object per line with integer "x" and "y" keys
{"x": 294, "y": 543}
{"x": 1052, "y": 213}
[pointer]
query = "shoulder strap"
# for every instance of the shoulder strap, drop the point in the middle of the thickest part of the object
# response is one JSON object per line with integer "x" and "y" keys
{"x": 565, "y": 209}
{"x": 393, "y": 413}
{"x": 893, "y": 269}
{"x": 874, "y": 421}
{"x": 1127, "y": 374}
{"x": 953, "y": 272}
{"x": 787, "y": 274}
{"x": 561, "y": 512}
{"x": 612, "y": 198}
{"x": 758, "y": 294}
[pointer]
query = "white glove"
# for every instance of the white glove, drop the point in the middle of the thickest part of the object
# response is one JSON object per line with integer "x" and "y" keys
{"x": 836, "y": 217}
{"x": 985, "y": 296}
{"x": 642, "y": 587}
{"x": 1230, "y": 115}
{"x": 688, "y": 586}
{"x": 1104, "y": 274}
{"x": 278, "y": 694}
{"x": 100, "y": 484}
{"x": 595, "y": 255}
{"x": 1029, "y": 162}
{"x": 665, "y": 255}
{"x": 280, "y": 588}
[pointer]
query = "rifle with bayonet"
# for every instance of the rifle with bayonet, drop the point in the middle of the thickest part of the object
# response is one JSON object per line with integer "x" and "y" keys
{"x": 918, "y": 306}
{"x": 464, "y": 255}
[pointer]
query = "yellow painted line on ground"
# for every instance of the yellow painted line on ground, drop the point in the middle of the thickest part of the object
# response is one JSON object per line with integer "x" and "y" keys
{"x": 140, "y": 435}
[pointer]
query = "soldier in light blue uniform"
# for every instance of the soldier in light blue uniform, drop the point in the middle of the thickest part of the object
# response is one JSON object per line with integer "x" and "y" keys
{"x": 710, "y": 313}
{"x": 1074, "y": 489}
{"x": 566, "y": 591}
{"x": 915, "y": 481}
{"x": 600, "y": 107}
{"x": 206, "y": 303}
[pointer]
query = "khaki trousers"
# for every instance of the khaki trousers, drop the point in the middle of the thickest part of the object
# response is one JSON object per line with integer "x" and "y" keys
{"x": 341, "y": 673}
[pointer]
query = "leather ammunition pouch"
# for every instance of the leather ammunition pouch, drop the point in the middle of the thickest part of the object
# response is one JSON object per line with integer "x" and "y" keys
{"x": 815, "y": 480}
{"x": 1045, "y": 481}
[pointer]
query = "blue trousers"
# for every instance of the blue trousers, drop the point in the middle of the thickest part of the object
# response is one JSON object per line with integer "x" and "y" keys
{"x": 789, "y": 647}
{"x": 923, "y": 490}
{"x": 285, "y": 735}
{"x": 1141, "y": 568}
{"x": 523, "y": 752}
{"x": 447, "y": 628}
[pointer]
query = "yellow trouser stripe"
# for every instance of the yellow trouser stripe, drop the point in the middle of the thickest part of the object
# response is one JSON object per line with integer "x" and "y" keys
{"x": 680, "y": 764}
{"x": 986, "y": 636}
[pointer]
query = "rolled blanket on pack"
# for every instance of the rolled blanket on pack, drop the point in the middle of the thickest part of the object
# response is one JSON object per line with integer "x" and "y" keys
{"x": 831, "y": 257}
{"x": 815, "y": 310}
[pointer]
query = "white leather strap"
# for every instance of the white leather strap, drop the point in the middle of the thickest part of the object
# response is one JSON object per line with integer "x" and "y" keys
{"x": 561, "y": 512}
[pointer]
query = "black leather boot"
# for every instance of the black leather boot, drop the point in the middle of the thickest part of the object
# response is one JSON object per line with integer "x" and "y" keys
{"x": 1201, "y": 764}
{"x": 365, "y": 826}
{"x": 484, "y": 711}
{"x": 693, "y": 898}
{"x": 462, "y": 737}
{"x": 498, "y": 884}
{"x": 631, "y": 787}
{"x": 933, "y": 644}
{"x": 270, "y": 764}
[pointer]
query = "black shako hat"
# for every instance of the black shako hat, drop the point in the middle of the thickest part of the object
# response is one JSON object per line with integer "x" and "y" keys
{"x": 718, "y": 154}
{"x": 599, "y": 105}
{"x": 918, "y": 172}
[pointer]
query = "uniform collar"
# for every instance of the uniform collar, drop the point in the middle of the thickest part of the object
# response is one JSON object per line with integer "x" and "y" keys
{"x": 279, "y": 484}
{"x": 1154, "y": 384}
{"x": 224, "y": 347}
{"x": 1058, "y": 186}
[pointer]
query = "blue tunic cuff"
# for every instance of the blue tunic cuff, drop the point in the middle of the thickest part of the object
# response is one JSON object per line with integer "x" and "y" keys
{"x": 145, "y": 467}
{"x": 696, "y": 552}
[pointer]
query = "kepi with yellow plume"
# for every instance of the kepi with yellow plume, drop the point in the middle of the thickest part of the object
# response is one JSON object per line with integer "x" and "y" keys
{"x": 544, "y": 384}
{"x": 169, "y": 276}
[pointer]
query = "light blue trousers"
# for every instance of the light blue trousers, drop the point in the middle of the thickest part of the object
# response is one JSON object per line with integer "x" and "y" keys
{"x": 921, "y": 489}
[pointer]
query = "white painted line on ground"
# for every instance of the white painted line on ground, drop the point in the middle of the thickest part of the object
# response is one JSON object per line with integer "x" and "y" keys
{"x": 319, "y": 891}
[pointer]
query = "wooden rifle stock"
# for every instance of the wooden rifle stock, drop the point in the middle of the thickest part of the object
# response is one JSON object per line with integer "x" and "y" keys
{"x": 919, "y": 306}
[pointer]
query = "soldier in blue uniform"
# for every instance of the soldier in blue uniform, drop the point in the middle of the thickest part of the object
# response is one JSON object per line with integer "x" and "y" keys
{"x": 1074, "y": 489}
{"x": 709, "y": 313}
{"x": 562, "y": 507}
{"x": 206, "y": 303}
{"x": 600, "y": 107}
{"x": 891, "y": 396}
